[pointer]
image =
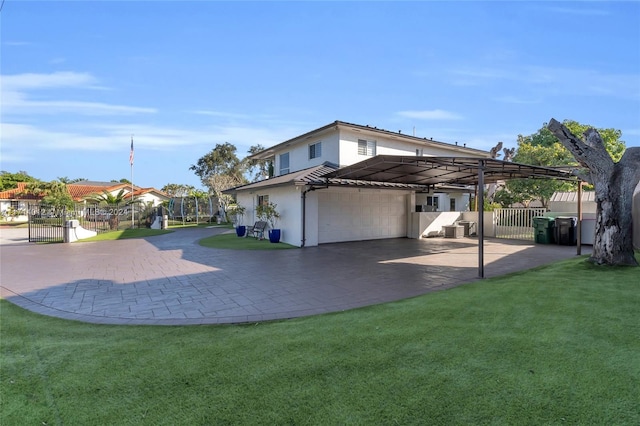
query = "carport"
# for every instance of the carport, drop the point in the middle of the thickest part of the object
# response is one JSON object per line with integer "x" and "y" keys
{"x": 432, "y": 172}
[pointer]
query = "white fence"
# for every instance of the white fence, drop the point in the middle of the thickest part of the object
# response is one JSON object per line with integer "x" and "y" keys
{"x": 516, "y": 224}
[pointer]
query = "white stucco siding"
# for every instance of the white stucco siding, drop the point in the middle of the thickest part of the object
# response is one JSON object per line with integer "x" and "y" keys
{"x": 288, "y": 201}
{"x": 156, "y": 200}
{"x": 353, "y": 215}
{"x": 299, "y": 154}
{"x": 389, "y": 145}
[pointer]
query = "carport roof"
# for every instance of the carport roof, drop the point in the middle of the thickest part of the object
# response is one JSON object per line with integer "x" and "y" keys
{"x": 430, "y": 171}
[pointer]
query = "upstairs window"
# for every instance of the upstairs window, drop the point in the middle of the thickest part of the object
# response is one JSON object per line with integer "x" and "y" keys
{"x": 284, "y": 163}
{"x": 315, "y": 150}
{"x": 367, "y": 148}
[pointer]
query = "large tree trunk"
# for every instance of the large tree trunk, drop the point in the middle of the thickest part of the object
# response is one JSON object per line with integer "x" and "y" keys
{"x": 614, "y": 185}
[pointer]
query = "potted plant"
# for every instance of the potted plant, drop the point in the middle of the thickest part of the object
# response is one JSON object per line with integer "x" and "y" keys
{"x": 237, "y": 214}
{"x": 269, "y": 214}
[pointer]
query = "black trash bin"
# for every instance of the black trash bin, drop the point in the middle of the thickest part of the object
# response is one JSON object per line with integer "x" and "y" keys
{"x": 566, "y": 233}
{"x": 543, "y": 229}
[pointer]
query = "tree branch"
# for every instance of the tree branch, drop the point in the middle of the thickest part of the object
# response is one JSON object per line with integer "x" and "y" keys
{"x": 590, "y": 154}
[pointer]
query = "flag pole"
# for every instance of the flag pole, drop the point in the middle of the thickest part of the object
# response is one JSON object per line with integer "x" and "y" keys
{"x": 133, "y": 211}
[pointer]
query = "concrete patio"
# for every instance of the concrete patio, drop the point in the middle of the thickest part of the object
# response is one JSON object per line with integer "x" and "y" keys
{"x": 171, "y": 280}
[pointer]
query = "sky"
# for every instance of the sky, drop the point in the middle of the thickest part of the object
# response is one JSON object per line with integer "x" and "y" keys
{"x": 81, "y": 79}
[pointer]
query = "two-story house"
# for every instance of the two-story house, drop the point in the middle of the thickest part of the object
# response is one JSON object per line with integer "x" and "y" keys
{"x": 314, "y": 211}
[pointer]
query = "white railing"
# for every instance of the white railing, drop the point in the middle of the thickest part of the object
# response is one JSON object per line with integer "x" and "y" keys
{"x": 516, "y": 224}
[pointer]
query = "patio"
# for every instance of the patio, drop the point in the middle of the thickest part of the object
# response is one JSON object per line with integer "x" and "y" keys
{"x": 171, "y": 280}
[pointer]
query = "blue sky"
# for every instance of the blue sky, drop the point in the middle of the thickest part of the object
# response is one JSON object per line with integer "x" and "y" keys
{"x": 80, "y": 77}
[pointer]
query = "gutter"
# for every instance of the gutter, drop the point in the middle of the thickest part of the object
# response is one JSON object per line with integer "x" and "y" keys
{"x": 304, "y": 211}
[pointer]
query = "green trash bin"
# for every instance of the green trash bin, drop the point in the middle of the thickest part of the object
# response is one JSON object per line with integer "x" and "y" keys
{"x": 543, "y": 229}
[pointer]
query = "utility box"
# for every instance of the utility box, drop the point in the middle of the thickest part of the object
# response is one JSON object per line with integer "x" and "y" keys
{"x": 469, "y": 227}
{"x": 566, "y": 234}
{"x": 543, "y": 230}
{"x": 453, "y": 231}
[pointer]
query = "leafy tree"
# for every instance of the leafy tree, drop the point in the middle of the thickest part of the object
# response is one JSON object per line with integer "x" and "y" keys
{"x": 219, "y": 170}
{"x": 506, "y": 198}
{"x": 256, "y": 169}
{"x": 67, "y": 180}
{"x": 615, "y": 182}
{"x": 544, "y": 149}
{"x": 217, "y": 184}
{"x": 10, "y": 180}
{"x": 54, "y": 194}
{"x": 221, "y": 160}
{"x": 177, "y": 190}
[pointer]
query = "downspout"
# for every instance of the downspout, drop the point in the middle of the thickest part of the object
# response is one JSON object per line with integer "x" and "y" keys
{"x": 304, "y": 212}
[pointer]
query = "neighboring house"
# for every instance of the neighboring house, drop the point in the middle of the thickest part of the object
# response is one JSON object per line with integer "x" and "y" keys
{"x": 565, "y": 204}
{"x": 313, "y": 212}
{"x": 149, "y": 195}
{"x": 16, "y": 200}
{"x": 14, "y": 203}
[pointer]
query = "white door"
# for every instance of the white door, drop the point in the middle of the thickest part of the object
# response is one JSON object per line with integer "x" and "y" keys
{"x": 361, "y": 215}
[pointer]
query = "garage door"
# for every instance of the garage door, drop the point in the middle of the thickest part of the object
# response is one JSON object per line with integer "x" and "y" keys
{"x": 354, "y": 216}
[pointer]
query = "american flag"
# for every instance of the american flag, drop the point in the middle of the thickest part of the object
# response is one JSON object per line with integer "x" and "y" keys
{"x": 131, "y": 153}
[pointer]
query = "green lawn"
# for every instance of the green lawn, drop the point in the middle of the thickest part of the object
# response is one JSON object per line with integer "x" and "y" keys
{"x": 555, "y": 345}
{"x": 126, "y": 233}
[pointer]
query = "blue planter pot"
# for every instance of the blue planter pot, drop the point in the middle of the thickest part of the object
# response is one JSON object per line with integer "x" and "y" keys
{"x": 274, "y": 235}
{"x": 240, "y": 230}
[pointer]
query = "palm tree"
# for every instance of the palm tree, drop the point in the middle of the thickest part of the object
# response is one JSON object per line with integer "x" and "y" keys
{"x": 111, "y": 201}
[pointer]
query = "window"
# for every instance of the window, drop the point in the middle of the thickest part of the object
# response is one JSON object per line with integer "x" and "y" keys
{"x": 15, "y": 204}
{"x": 263, "y": 200}
{"x": 315, "y": 150}
{"x": 284, "y": 163}
{"x": 432, "y": 203}
{"x": 452, "y": 205}
{"x": 419, "y": 152}
{"x": 366, "y": 147}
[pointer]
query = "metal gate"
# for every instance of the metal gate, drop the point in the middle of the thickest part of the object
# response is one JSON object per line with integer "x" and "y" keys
{"x": 46, "y": 224}
{"x": 516, "y": 224}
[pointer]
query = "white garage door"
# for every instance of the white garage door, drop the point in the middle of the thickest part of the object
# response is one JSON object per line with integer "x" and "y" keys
{"x": 366, "y": 215}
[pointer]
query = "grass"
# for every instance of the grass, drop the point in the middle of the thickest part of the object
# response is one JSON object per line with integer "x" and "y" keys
{"x": 232, "y": 241}
{"x": 555, "y": 345}
{"x": 126, "y": 233}
{"x": 14, "y": 224}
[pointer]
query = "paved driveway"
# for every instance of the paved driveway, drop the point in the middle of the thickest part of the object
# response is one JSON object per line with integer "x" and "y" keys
{"x": 171, "y": 280}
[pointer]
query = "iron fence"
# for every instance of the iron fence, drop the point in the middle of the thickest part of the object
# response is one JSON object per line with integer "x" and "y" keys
{"x": 46, "y": 223}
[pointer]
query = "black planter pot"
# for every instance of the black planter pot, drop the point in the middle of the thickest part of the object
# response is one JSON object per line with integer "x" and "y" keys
{"x": 274, "y": 235}
{"x": 240, "y": 230}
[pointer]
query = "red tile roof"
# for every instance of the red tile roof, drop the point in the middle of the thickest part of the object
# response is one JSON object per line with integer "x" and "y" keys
{"x": 77, "y": 191}
{"x": 16, "y": 193}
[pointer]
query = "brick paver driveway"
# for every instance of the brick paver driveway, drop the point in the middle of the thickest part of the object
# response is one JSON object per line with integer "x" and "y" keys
{"x": 171, "y": 280}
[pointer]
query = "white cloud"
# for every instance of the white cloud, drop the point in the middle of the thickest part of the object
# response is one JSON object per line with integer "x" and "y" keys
{"x": 41, "y": 81}
{"x": 19, "y": 140}
{"x": 554, "y": 81}
{"x": 16, "y": 99}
